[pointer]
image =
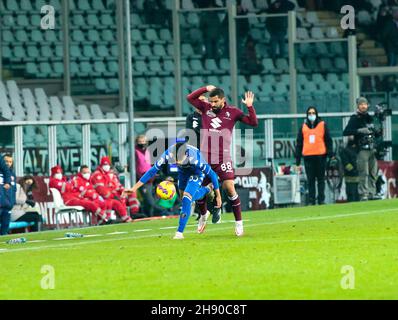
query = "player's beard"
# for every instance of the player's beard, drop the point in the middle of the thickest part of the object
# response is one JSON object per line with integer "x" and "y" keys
{"x": 216, "y": 109}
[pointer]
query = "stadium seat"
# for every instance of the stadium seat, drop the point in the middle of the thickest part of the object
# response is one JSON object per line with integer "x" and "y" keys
{"x": 316, "y": 33}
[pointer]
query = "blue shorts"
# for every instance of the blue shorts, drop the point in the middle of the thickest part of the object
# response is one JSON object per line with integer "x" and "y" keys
{"x": 190, "y": 184}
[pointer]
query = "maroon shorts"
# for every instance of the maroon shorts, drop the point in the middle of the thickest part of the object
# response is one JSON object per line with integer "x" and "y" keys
{"x": 225, "y": 171}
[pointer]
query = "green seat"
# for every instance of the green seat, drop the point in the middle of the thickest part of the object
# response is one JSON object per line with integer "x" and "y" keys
{"x": 114, "y": 85}
{"x": 93, "y": 35}
{"x": 102, "y": 51}
{"x": 99, "y": 68}
{"x": 154, "y": 66}
{"x": 165, "y": 35}
{"x": 144, "y": 50}
{"x": 31, "y": 69}
{"x": 85, "y": 68}
{"x": 168, "y": 66}
{"x": 8, "y": 36}
{"x": 8, "y": 20}
{"x": 92, "y": 20}
{"x": 159, "y": 50}
{"x": 44, "y": 69}
{"x": 35, "y": 20}
{"x": 98, "y": 5}
{"x": 135, "y": 20}
{"x": 50, "y": 35}
{"x": 74, "y": 68}
{"x": 36, "y": 36}
{"x": 32, "y": 52}
{"x": 75, "y": 51}
{"x": 100, "y": 84}
{"x": 115, "y": 50}
{"x": 21, "y": 36}
{"x": 136, "y": 35}
{"x": 59, "y": 51}
{"x": 22, "y": 20}
{"x": 6, "y": 52}
{"x": 151, "y": 35}
{"x": 88, "y": 51}
{"x": 113, "y": 67}
{"x": 78, "y": 20}
{"x": 19, "y": 53}
{"x": 108, "y": 35}
{"x": 78, "y": 36}
{"x": 11, "y": 5}
{"x": 58, "y": 68}
{"x": 83, "y": 5}
{"x": 106, "y": 20}
{"x": 26, "y": 5}
{"x": 141, "y": 67}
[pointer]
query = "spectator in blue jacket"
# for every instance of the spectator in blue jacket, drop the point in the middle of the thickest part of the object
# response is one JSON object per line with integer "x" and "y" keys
{"x": 6, "y": 195}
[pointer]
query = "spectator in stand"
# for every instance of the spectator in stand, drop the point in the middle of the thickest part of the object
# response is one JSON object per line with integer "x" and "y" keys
{"x": 7, "y": 195}
{"x": 211, "y": 28}
{"x": 277, "y": 26}
{"x": 155, "y": 12}
{"x": 250, "y": 62}
{"x": 390, "y": 36}
{"x": 26, "y": 209}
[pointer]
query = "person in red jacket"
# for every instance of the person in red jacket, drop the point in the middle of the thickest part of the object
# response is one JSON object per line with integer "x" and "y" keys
{"x": 106, "y": 188}
{"x": 72, "y": 197}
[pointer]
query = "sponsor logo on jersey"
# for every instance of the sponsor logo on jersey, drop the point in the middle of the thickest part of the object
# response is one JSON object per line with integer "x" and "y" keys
{"x": 216, "y": 123}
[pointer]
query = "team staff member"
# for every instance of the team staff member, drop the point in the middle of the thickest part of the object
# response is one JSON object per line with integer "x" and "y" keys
{"x": 6, "y": 195}
{"x": 314, "y": 144}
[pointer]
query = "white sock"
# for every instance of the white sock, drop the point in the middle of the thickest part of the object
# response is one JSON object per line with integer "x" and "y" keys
{"x": 239, "y": 223}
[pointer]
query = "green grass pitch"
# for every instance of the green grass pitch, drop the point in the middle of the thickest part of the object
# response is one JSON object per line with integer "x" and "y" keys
{"x": 295, "y": 253}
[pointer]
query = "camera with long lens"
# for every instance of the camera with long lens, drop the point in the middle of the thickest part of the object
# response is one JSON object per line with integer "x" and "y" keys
{"x": 374, "y": 140}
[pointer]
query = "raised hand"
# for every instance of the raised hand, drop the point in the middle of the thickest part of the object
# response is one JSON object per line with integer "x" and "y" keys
{"x": 249, "y": 98}
{"x": 210, "y": 88}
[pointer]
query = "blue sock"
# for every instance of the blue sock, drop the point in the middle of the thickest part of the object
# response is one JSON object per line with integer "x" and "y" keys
{"x": 185, "y": 213}
{"x": 200, "y": 193}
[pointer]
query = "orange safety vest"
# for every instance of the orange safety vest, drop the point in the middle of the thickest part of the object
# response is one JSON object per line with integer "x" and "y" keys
{"x": 314, "y": 140}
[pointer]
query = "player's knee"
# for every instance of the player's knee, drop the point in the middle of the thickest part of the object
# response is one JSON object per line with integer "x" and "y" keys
{"x": 187, "y": 195}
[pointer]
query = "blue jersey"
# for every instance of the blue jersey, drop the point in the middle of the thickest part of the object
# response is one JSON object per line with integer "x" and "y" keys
{"x": 194, "y": 166}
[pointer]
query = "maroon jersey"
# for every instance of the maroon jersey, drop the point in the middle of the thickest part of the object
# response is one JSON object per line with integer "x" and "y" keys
{"x": 216, "y": 133}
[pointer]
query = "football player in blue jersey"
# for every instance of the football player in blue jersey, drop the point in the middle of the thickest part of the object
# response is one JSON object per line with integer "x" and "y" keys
{"x": 192, "y": 169}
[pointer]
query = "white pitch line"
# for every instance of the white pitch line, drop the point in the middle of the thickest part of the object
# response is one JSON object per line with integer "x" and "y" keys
{"x": 2, "y": 250}
{"x": 208, "y": 230}
{"x": 142, "y": 230}
{"x": 91, "y": 235}
{"x": 117, "y": 232}
{"x": 36, "y": 241}
{"x": 164, "y": 228}
{"x": 65, "y": 238}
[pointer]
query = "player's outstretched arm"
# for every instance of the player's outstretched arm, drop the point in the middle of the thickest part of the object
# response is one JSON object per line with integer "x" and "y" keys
{"x": 193, "y": 97}
{"x": 251, "y": 118}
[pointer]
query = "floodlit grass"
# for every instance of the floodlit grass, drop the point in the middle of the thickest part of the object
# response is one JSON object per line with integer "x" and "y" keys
{"x": 296, "y": 253}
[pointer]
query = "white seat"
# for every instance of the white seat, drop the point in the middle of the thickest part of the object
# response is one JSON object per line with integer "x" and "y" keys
{"x": 302, "y": 34}
{"x": 96, "y": 112}
{"x": 56, "y": 108}
{"x": 69, "y": 108}
{"x": 316, "y": 33}
{"x": 61, "y": 208}
{"x": 83, "y": 112}
{"x": 42, "y": 102}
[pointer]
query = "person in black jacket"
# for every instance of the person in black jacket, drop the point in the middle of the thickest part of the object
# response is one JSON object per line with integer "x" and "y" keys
{"x": 7, "y": 195}
{"x": 360, "y": 126}
{"x": 348, "y": 157}
{"x": 314, "y": 144}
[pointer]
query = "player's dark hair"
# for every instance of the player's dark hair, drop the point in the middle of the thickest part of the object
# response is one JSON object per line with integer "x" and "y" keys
{"x": 83, "y": 167}
{"x": 217, "y": 92}
{"x": 8, "y": 155}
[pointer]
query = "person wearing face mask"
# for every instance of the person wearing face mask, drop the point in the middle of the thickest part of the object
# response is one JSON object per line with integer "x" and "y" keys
{"x": 314, "y": 144}
{"x": 105, "y": 185}
{"x": 26, "y": 209}
{"x": 71, "y": 196}
{"x": 361, "y": 127}
{"x": 81, "y": 183}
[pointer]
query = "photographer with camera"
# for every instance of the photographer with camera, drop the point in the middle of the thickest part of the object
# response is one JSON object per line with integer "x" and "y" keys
{"x": 361, "y": 126}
